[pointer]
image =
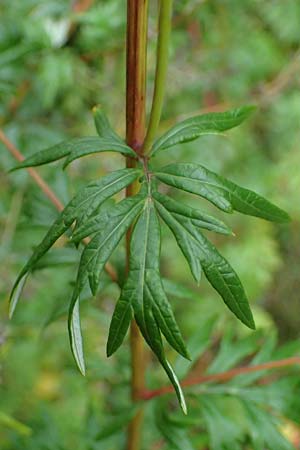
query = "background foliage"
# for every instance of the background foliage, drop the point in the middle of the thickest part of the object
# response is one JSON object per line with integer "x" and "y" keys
{"x": 56, "y": 62}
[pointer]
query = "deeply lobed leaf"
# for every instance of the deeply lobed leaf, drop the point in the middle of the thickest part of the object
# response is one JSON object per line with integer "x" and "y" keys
{"x": 143, "y": 293}
{"x": 87, "y": 200}
{"x": 111, "y": 228}
{"x": 200, "y": 253}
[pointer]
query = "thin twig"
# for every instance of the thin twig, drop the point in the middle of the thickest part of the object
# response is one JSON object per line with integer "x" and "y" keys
{"x": 223, "y": 376}
{"x": 47, "y": 191}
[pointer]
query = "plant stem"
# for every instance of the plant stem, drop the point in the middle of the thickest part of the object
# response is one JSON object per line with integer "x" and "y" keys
{"x": 137, "y": 20}
{"x": 164, "y": 32}
{"x": 222, "y": 377}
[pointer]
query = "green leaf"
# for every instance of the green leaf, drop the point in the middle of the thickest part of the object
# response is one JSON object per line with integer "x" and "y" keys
{"x": 143, "y": 291}
{"x": 116, "y": 423}
{"x": 113, "y": 227}
{"x": 75, "y": 335}
{"x": 103, "y": 126}
{"x": 188, "y": 244}
{"x": 198, "y": 218}
{"x": 199, "y": 252}
{"x": 13, "y": 424}
{"x": 93, "y": 259}
{"x": 77, "y": 147}
{"x": 99, "y": 145}
{"x": 197, "y": 344}
{"x": 101, "y": 220}
{"x": 175, "y": 435}
{"x": 178, "y": 290}
{"x": 62, "y": 256}
{"x": 211, "y": 123}
{"x": 221, "y": 192}
{"x": 119, "y": 325}
{"x": 88, "y": 199}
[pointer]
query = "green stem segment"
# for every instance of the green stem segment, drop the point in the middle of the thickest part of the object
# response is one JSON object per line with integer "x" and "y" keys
{"x": 164, "y": 32}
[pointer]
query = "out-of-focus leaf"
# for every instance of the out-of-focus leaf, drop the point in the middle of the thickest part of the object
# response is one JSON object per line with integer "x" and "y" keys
{"x": 9, "y": 422}
{"x": 175, "y": 436}
{"x": 116, "y": 423}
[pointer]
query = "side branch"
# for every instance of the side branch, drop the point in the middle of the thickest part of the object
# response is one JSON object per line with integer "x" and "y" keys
{"x": 224, "y": 376}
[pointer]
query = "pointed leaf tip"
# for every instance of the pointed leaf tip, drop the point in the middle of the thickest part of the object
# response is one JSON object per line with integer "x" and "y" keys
{"x": 75, "y": 335}
{"x": 16, "y": 294}
{"x": 194, "y": 127}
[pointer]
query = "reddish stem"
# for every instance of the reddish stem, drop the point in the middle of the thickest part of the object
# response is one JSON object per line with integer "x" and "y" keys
{"x": 223, "y": 376}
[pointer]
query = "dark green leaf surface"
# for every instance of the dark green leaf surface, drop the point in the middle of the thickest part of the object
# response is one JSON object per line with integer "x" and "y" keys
{"x": 188, "y": 244}
{"x": 199, "y": 252}
{"x": 77, "y": 147}
{"x": 198, "y": 218}
{"x": 143, "y": 291}
{"x": 191, "y": 129}
{"x": 98, "y": 145}
{"x": 103, "y": 127}
{"x": 88, "y": 199}
{"x": 101, "y": 220}
{"x": 112, "y": 228}
{"x": 221, "y": 192}
{"x": 93, "y": 259}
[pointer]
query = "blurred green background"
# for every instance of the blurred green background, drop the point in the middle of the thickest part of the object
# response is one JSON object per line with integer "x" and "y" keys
{"x": 57, "y": 60}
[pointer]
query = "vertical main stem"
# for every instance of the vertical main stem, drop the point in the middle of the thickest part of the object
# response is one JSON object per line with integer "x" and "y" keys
{"x": 137, "y": 19}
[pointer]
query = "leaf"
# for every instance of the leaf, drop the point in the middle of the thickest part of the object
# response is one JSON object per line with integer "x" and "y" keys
{"x": 103, "y": 126}
{"x": 116, "y": 423}
{"x": 18, "y": 427}
{"x": 119, "y": 325}
{"x": 199, "y": 252}
{"x": 113, "y": 227}
{"x": 143, "y": 292}
{"x": 57, "y": 257}
{"x": 211, "y": 123}
{"x": 221, "y": 192}
{"x": 178, "y": 290}
{"x": 233, "y": 351}
{"x": 197, "y": 344}
{"x": 175, "y": 436}
{"x": 98, "y": 145}
{"x": 188, "y": 244}
{"x": 198, "y": 218}
{"x": 93, "y": 260}
{"x": 87, "y": 199}
{"x": 77, "y": 147}
{"x": 75, "y": 335}
{"x": 99, "y": 221}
